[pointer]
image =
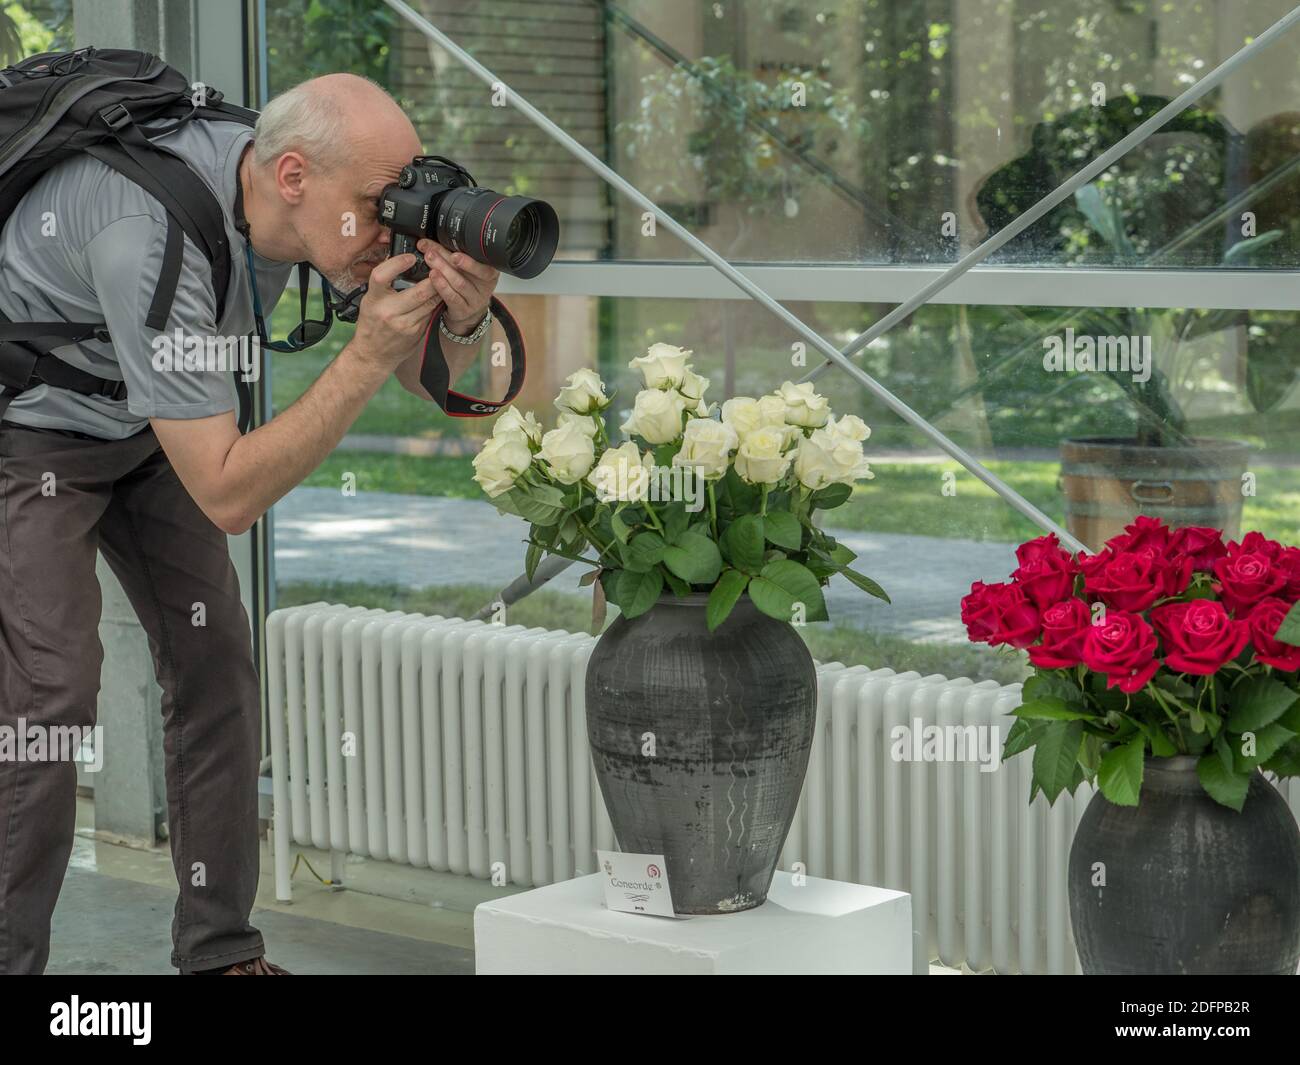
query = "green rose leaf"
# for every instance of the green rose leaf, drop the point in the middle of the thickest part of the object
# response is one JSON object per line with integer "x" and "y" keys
{"x": 536, "y": 510}
{"x": 675, "y": 519}
{"x": 1090, "y": 755}
{"x": 506, "y": 504}
{"x": 531, "y": 558}
{"x": 694, "y": 558}
{"x": 778, "y": 499}
{"x": 638, "y": 592}
{"x": 1223, "y": 786}
{"x": 679, "y": 586}
{"x": 1174, "y": 686}
{"x": 603, "y": 527}
{"x": 1291, "y": 719}
{"x": 1289, "y": 630}
{"x": 831, "y": 496}
{"x": 1224, "y": 752}
{"x": 782, "y": 584}
{"x": 865, "y": 583}
{"x": 734, "y": 495}
{"x": 724, "y": 596}
{"x": 1050, "y": 708}
{"x": 1022, "y": 735}
{"x": 609, "y": 582}
{"x": 820, "y": 568}
{"x": 569, "y": 534}
{"x": 1286, "y": 763}
{"x": 663, "y": 453}
{"x": 742, "y": 543}
{"x": 841, "y": 554}
{"x": 621, "y": 530}
{"x": 1120, "y": 773}
{"x": 783, "y": 529}
{"x": 1268, "y": 741}
{"x": 549, "y": 494}
{"x": 1056, "y": 755}
{"x": 1055, "y": 685}
{"x": 1256, "y": 702}
{"x": 645, "y": 551}
{"x": 1161, "y": 745}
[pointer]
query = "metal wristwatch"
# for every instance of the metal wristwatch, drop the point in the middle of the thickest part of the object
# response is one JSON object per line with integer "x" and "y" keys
{"x": 472, "y": 338}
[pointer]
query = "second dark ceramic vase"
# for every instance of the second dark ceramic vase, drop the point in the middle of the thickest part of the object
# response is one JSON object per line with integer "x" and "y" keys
{"x": 1181, "y": 884}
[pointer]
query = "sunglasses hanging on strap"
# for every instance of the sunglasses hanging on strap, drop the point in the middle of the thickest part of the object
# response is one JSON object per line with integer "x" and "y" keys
{"x": 310, "y": 330}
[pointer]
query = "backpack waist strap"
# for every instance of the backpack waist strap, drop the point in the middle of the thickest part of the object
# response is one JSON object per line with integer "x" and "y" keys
{"x": 25, "y": 360}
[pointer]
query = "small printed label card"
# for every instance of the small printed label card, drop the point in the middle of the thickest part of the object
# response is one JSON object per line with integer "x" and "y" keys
{"x": 636, "y": 883}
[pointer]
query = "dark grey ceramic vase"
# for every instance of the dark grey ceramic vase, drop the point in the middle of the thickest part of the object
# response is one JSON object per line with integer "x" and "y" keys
{"x": 701, "y": 741}
{"x": 1190, "y": 886}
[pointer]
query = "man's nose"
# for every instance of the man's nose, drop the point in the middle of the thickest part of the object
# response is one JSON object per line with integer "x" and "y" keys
{"x": 385, "y": 236}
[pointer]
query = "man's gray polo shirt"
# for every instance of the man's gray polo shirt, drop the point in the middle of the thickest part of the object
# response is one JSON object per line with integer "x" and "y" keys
{"x": 86, "y": 245}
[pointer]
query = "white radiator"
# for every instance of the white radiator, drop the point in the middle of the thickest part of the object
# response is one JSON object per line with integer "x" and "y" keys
{"x": 461, "y": 746}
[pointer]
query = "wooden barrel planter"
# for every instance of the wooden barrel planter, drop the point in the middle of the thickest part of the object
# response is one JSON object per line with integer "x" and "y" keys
{"x": 1107, "y": 482}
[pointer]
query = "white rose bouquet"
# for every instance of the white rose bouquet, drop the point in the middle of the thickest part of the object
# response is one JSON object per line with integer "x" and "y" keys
{"x": 689, "y": 501}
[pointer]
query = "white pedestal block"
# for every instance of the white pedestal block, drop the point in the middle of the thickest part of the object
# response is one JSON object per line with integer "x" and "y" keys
{"x": 819, "y": 927}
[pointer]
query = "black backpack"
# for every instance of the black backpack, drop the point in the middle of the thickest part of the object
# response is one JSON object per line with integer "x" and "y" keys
{"x": 96, "y": 100}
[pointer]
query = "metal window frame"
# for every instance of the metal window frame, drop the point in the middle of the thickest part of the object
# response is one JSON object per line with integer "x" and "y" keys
{"x": 1019, "y": 286}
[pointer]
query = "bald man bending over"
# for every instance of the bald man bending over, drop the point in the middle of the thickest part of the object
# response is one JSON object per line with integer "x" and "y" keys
{"x": 155, "y": 481}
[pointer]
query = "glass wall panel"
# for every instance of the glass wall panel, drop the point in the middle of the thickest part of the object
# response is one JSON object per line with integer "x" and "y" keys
{"x": 922, "y": 127}
{"x": 850, "y": 130}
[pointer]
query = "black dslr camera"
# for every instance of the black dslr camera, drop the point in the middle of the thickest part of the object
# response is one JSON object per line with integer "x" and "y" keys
{"x": 434, "y": 197}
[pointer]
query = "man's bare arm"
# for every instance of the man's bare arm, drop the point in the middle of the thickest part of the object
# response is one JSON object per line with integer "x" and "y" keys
{"x": 235, "y": 479}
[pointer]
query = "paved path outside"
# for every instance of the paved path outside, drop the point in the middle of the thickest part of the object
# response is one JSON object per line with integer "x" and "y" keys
{"x": 420, "y": 541}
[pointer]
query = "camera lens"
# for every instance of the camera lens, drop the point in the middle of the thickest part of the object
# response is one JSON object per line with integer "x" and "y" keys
{"x": 523, "y": 238}
{"x": 516, "y": 234}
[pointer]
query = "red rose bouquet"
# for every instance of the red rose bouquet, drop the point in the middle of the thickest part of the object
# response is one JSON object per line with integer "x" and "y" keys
{"x": 1168, "y": 641}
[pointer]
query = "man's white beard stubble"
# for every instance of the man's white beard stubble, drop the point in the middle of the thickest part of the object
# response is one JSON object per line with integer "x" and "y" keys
{"x": 346, "y": 280}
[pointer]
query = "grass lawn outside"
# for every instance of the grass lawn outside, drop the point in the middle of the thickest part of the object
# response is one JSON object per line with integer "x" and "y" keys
{"x": 827, "y": 642}
{"x": 903, "y": 498}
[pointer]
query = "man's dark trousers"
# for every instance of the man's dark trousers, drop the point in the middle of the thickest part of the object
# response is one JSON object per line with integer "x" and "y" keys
{"x": 62, "y": 497}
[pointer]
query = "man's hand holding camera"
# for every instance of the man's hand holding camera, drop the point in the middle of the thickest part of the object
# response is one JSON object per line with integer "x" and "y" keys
{"x": 466, "y": 286}
{"x": 393, "y": 321}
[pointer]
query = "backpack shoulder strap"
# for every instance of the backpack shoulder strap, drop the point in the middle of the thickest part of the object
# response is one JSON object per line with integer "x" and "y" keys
{"x": 189, "y": 204}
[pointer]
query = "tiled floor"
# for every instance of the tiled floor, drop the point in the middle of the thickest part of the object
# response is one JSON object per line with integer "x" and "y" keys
{"x": 115, "y": 910}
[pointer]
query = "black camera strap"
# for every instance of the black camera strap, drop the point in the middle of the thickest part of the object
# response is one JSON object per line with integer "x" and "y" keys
{"x": 435, "y": 375}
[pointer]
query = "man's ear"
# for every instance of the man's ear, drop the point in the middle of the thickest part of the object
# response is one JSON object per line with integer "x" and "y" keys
{"x": 290, "y": 173}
